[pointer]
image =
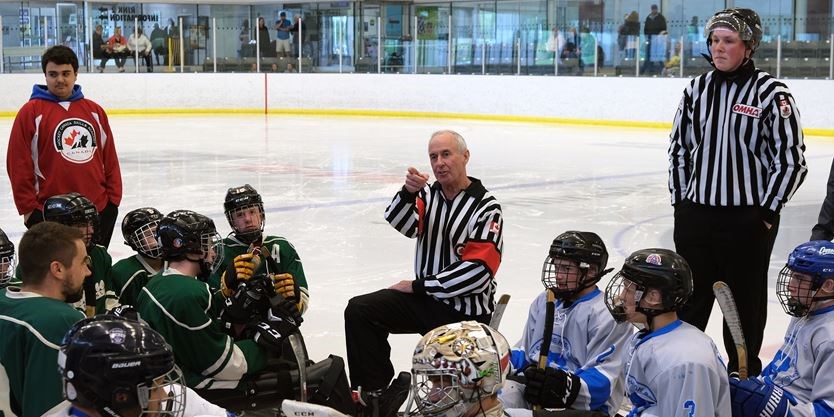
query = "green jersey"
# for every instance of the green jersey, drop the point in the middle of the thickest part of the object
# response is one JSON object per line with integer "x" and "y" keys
{"x": 129, "y": 276}
{"x": 184, "y": 311}
{"x": 32, "y": 327}
{"x": 280, "y": 250}
{"x": 101, "y": 269}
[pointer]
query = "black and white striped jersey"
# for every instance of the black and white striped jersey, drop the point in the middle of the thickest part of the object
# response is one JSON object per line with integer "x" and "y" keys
{"x": 737, "y": 142}
{"x": 459, "y": 243}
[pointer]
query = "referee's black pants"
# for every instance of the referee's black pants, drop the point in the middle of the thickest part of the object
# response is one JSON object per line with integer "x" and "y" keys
{"x": 730, "y": 244}
{"x": 370, "y": 318}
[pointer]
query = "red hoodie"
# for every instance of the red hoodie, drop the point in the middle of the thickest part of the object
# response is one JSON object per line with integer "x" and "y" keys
{"x": 58, "y": 147}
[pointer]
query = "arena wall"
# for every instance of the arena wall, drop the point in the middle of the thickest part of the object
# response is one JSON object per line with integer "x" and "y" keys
{"x": 639, "y": 102}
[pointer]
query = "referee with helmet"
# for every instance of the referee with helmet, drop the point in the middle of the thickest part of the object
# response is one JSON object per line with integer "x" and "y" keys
{"x": 736, "y": 158}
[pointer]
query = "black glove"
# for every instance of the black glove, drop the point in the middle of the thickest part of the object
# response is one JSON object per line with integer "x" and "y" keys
{"x": 282, "y": 320}
{"x": 551, "y": 387}
{"x": 125, "y": 311}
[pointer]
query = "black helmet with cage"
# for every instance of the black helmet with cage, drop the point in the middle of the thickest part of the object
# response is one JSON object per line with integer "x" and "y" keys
{"x": 586, "y": 249}
{"x": 139, "y": 230}
{"x": 239, "y": 199}
{"x": 73, "y": 209}
{"x": 120, "y": 367}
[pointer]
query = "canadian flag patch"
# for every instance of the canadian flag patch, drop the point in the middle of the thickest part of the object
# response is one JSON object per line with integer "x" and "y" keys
{"x": 785, "y": 108}
{"x": 494, "y": 227}
{"x": 746, "y": 110}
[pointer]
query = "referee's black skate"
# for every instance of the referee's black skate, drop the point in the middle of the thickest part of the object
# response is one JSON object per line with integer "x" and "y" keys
{"x": 384, "y": 402}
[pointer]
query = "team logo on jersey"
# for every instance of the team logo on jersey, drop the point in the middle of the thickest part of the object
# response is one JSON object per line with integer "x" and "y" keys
{"x": 746, "y": 110}
{"x": 75, "y": 140}
{"x": 117, "y": 335}
{"x": 654, "y": 259}
{"x": 785, "y": 108}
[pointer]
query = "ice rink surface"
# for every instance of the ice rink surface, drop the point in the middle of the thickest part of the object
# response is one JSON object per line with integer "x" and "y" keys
{"x": 326, "y": 182}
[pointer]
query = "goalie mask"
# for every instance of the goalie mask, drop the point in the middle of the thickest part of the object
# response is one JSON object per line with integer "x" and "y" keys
{"x": 455, "y": 366}
{"x": 644, "y": 270}
{"x": 567, "y": 268}
{"x": 807, "y": 269}
{"x": 74, "y": 210}
{"x": 244, "y": 210}
{"x": 139, "y": 230}
{"x": 120, "y": 367}
{"x": 184, "y": 234}
{"x": 6, "y": 259}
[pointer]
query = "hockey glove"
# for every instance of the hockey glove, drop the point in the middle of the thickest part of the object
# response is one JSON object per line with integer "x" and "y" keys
{"x": 286, "y": 286}
{"x": 282, "y": 320}
{"x": 124, "y": 311}
{"x": 240, "y": 269}
{"x": 551, "y": 387}
{"x": 750, "y": 398}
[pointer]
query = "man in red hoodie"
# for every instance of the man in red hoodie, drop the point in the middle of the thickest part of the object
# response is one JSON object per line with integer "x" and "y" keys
{"x": 61, "y": 142}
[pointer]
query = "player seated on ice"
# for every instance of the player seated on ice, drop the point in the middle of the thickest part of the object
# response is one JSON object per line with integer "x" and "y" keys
{"x": 672, "y": 368}
{"x": 6, "y": 261}
{"x": 129, "y": 275}
{"x": 458, "y": 370}
{"x": 584, "y": 346}
{"x": 234, "y": 372}
{"x": 798, "y": 380}
{"x": 113, "y": 367}
{"x": 246, "y": 247}
{"x": 73, "y": 209}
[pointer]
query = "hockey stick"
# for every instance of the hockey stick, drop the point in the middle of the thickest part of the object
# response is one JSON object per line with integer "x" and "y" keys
{"x": 301, "y": 358}
{"x": 500, "y": 306}
{"x": 547, "y": 336}
{"x": 730, "y": 312}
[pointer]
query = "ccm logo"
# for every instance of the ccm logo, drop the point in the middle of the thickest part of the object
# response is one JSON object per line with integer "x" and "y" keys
{"x": 747, "y": 110}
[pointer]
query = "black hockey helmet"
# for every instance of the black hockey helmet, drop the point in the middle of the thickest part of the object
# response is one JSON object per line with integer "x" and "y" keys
{"x": 584, "y": 248}
{"x": 139, "y": 230}
{"x": 184, "y": 232}
{"x": 6, "y": 259}
{"x": 113, "y": 364}
{"x": 655, "y": 268}
{"x": 241, "y": 198}
{"x": 745, "y": 22}
{"x": 73, "y": 209}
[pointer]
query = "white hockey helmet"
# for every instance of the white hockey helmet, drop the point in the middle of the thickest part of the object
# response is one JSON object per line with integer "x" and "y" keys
{"x": 455, "y": 366}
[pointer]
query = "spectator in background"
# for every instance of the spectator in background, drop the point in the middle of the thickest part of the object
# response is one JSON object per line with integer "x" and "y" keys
{"x": 824, "y": 230}
{"x": 245, "y": 36}
{"x": 99, "y": 47}
{"x": 290, "y": 68}
{"x": 299, "y": 29}
{"x": 140, "y": 43}
{"x": 116, "y": 48}
{"x": 587, "y": 48}
{"x": 627, "y": 34}
{"x": 282, "y": 39}
{"x": 158, "y": 43}
{"x": 654, "y": 26}
{"x": 70, "y": 149}
{"x": 263, "y": 41}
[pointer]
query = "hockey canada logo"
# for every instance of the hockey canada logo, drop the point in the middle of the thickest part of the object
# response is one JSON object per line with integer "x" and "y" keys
{"x": 75, "y": 140}
{"x": 746, "y": 110}
{"x": 785, "y": 108}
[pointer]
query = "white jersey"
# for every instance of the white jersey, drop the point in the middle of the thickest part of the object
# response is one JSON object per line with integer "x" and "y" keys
{"x": 586, "y": 341}
{"x": 676, "y": 371}
{"x": 195, "y": 406}
{"x": 804, "y": 365}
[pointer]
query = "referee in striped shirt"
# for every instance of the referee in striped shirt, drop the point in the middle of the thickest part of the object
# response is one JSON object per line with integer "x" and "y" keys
{"x": 736, "y": 157}
{"x": 457, "y": 224}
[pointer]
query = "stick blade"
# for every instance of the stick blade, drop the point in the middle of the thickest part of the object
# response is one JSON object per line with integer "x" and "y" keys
{"x": 727, "y": 303}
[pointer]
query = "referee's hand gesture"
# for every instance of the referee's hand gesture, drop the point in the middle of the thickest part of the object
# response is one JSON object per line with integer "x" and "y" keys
{"x": 414, "y": 180}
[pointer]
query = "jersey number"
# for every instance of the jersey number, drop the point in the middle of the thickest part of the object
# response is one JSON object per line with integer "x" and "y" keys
{"x": 691, "y": 406}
